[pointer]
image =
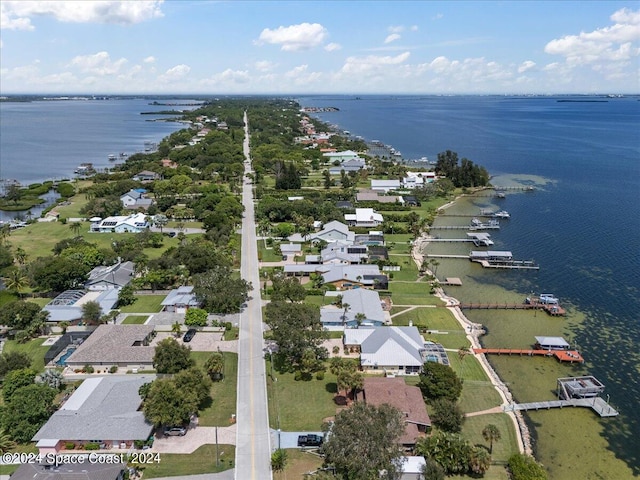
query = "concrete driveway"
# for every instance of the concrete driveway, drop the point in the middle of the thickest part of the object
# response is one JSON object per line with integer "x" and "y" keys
{"x": 289, "y": 439}
{"x": 194, "y": 438}
{"x": 202, "y": 342}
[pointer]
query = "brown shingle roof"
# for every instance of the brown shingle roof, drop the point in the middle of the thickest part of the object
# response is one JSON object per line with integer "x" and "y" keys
{"x": 406, "y": 398}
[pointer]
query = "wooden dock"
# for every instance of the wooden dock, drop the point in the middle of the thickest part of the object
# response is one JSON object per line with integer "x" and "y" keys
{"x": 512, "y": 265}
{"x": 553, "y": 310}
{"x": 597, "y": 404}
{"x": 571, "y": 356}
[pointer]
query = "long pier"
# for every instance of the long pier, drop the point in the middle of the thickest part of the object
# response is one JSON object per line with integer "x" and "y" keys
{"x": 512, "y": 265}
{"x": 553, "y": 310}
{"x": 571, "y": 356}
{"x": 597, "y": 404}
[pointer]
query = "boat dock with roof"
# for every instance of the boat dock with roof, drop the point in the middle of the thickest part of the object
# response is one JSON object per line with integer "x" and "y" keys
{"x": 556, "y": 347}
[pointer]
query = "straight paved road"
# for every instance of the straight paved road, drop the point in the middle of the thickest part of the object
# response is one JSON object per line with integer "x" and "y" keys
{"x": 253, "y": 449}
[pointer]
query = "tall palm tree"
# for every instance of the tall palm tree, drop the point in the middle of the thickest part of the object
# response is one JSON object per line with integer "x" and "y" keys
{"x": 491, "y": 434}
{"x": 75, "y": 228}
{"x": 16, "y": 281}
{"x": 6, "y": 443}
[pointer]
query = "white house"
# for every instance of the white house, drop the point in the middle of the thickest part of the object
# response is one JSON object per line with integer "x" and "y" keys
{"x": 134, "y": 223}
{"x": 341, "y": 156}
{"x": 384, "y": 185}
{"x": 359, "y": 301}
{"x": 333, "y": 231}
{"x": 364, "y": 217}
{"x": 135, "y": 199}
{"x": 180, "y": 300}
{"x": 351, "y": 165}
{"x": 418, "y": 179}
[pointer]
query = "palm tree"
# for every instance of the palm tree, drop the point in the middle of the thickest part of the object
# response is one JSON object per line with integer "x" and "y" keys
{"x": 6, "y": 443}
{"x": 463, "y": 352}
{"x": 21, "y": 256}
{"x": 16, "y": 281}
{"x": 214, "y": 366}
{"x": 75, "y": 228}
{"x": 176, "y": 328}
{"x": 479, "y": 460}
{"x": 491, "y": 434}
{"x": 360, "y": 317}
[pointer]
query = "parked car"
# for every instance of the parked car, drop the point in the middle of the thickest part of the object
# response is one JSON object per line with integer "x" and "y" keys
{"x": 189, "y": 335}
{"x": 175, "y": 431}
{"x": 309, "y": 440}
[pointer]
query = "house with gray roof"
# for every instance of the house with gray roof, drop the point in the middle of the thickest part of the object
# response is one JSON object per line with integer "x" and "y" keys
{"x": 384, "y": 185}
{"x": 333, "y": 231}
{"x": 67, "y": 307}
{"x": 359, "y": 301}
{"x": 179, "y": 300}
{"x": 112, "y": 276}
{"x": 389, "y": 350}
{"x": 104, "y": 410}
{"x": 345, "y": 277}
{"x": 69, "y": 471}
{"x": 136, "y": 199}
{"x": 351, "y": 165}
{"x": 121, "y": 345}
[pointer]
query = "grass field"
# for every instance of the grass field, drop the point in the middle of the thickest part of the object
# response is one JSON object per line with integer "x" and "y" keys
{"x": 223, "y": 393}
{"x": 203, "y": 460}
{"x": 300, "y": 405}
{"x": 33, "y": 348}
{"x": 298, "y": 463}
{"x": 145, "y": 304}
{"x": 502, "y": 449}
{"x": 412, "y": 293}
{"x": 135, "y": 320}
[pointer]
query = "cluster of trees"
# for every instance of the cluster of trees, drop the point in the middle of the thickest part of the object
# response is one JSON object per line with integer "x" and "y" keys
{"x": 174, "y": 398}
{"x": 275, "y": 208}
{"x": 27, "y": 404}
{"x": 450, "y": 454}
{"x": 287, "y": 176}
{"x": 465, "y": 174}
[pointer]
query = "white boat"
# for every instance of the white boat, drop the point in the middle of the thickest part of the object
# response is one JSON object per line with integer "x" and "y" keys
{"x": 502, "y": 214}
{"x": 112, "y": 157}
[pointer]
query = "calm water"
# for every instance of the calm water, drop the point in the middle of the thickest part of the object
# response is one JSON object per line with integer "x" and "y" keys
{"x": 582, "y": 225}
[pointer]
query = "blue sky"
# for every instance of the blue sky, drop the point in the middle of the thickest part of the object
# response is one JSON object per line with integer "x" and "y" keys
{"x": 278, "y": 47}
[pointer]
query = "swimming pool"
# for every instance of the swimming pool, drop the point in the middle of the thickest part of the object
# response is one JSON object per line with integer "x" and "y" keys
{"x": 62, "y": 361}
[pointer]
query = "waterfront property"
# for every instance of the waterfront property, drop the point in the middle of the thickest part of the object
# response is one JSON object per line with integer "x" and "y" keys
{"x": 103, "y": 410}
{"x": 552, "y": 343}
{"x": 361, "y": 301}
{"x": 134, "y": 223}
{"x": 500, "y": 259}
{"x": 406, "y": 398}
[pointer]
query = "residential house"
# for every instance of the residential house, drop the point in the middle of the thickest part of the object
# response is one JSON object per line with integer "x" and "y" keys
{"x": 304, "y": 270}
{"x": 344, "y": 204}
{"x": 359, "y": 301}
{"x": 333, "y": 231}
{"x": 146, "y": 176}
{"x": 67, "y": 307}
{"x": 180, "y": 300}
{"x": 341, "y": 156}
{"x": 389, "y": 350}
{"x": 168, "y": 163}
{"x": 384, "y": 185}
{"x": 136, "y": 199}
{"x": 367, "y": 196}
{"x": 336, "y": 252}
{"x": 411, "y": 201}
{"x": 346, "y": 277}
{"x": 352, "y": 165}
{"x": 126, "y": 346}
{"x": 104, "y": 410}
{"x": 291, "y": 250}
{"x": 134, "y": 223}
{"x": 112, "y": 276}
{"x": 406, "y": 398}
{"x": 369, "y": 239}
{"x": 364, "y": 217}
{"x": 48, "y": 469}
{"x": 418, "y": 179}
{"x": 411, "y": 468}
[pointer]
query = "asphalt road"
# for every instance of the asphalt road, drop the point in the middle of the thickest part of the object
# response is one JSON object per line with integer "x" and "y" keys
{"x": 253, "y": 445}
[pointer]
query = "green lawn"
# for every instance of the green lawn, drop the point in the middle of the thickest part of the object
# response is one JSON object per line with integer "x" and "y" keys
{"x": 300, "y": 405}
{"x": 135, "y": 320}
{"x": 203, "y": 460}
{"x": 502, "y": 449}
{"x": 33, "y": 348}
{"x": 412, "y": 293}
{"x": 145, "y": 304}
{"x": 427, "y": 317}
{"x": 223, "y": 393}
{"x": 298, "y": 463}
{"x": 39, "y": 301}
{"x": 267, "y": 254}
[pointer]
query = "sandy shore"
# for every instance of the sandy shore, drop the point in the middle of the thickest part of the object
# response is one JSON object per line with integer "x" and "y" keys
{"x": 474, "y": 330}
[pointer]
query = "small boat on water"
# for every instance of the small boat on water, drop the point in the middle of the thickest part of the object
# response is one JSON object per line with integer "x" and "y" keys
{"x": 502, "y": 214}
{"x": 85, "y": 169}
{"x": 112, "y": 157}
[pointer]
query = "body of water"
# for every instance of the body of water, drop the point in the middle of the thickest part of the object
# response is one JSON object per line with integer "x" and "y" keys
{"x": 581, "y": 225}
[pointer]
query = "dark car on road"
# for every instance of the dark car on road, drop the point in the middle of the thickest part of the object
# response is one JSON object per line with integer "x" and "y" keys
{"x": 189, "y": 335}
{"x": 309, "y": 440}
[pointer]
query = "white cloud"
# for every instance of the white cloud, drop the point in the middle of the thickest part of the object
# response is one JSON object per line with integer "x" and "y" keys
{"x": 98, "y": 64}
{"x": 396, "y": 29}
{"x": 332, "y": 47}
{"x": 608, "y": 44}
{"x": 295, "y": 37}
{"x": 391, "y": 38}
{"x": 149, "y": 59}
{"x": 527, "y": 65}
{"x": 359, "y": 65}
{"x": 175, "y": 73}
{"x": 17, "y": 15}
{"x": 437, "y": 16}
{"x": 264, "y": 66}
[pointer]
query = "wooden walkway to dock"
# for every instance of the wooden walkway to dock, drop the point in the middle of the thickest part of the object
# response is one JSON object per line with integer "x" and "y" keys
{"x": 597, "y": 404}
{"x": 571, "y": 356}
{"x": 553, "y": 310}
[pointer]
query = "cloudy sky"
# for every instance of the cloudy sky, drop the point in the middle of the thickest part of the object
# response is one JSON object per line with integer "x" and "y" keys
{"x": 280, "y": 47}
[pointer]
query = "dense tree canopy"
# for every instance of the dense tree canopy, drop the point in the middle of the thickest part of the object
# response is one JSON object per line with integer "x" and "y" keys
{"x": 446, "y": 415}
{"x": 364, "y": 440}
{"x": 167, "y": 405}
{"x": 10, "y": 361}
{"x": 16, "y": 379}
{"x": 467, "y": 174}
{"x": 219, "y": 291}
{"x": 525, "y": 467}
{"x": 287, "y": 288}
{"x": 172, "y": 357}
{"x": 296, "y": 328}
{"x": 57, "y": 274}
{"x": 196, "y": 317}
{"x": 440, "y": 381}
{"x": 28, "y": 408}
{"x": 19, "y": 314}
